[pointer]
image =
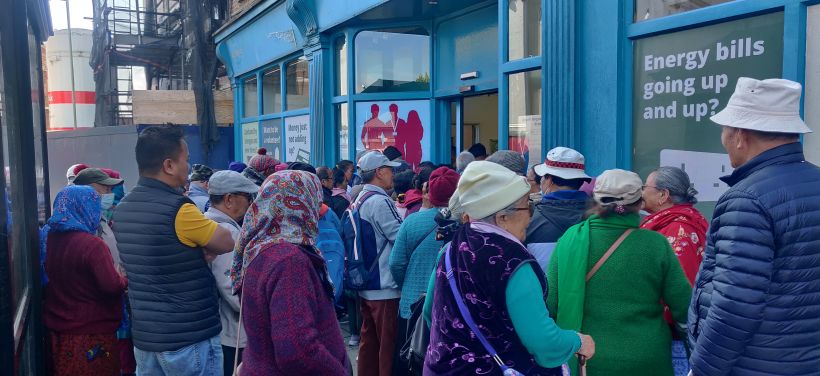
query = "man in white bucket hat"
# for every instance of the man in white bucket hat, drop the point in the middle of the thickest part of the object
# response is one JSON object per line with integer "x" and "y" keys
{"x": 563, "y": 204}
{"x": 756, "y": 304}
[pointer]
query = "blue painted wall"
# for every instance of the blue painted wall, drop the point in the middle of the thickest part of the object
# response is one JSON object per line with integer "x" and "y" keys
{"x": 330, "y": 13}
{"x": 465, "y": 44}
{"x": 221, "y": 155}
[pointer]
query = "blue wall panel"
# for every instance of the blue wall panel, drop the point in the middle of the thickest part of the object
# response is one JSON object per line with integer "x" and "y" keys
{"x": 599, "y": 87}
{"x": 269, "y": 37}
{"x": 221, "y": 155}
{"x": 465, "y": 44}
{"x": 330, "y": 13}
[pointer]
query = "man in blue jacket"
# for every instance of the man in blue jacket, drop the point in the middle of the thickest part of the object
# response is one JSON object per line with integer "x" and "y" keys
{"x": 756, "y": 305}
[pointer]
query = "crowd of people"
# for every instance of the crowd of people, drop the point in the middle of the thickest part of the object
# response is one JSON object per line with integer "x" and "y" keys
{"x": 484, "y": 267}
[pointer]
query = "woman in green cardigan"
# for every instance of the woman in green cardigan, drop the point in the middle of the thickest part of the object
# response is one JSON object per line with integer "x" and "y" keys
{"x": 620, "y": 305}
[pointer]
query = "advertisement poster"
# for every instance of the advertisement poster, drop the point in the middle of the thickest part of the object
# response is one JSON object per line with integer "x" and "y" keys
{"x": 272, "y": 137}
{"x": 297, "y": 136}
{"x": 250, "y": 140}
{"x": 683, "y": 78}
{"x": 403, "y": 124}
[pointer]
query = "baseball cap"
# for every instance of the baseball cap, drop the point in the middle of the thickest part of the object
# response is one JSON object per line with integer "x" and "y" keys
{"x": 564, "y": 163}
{"x": 621, "y": 187}
{"x": 374, "y": 160}
{"x": 227, "y": 181}
{"x": 95, "y": 175}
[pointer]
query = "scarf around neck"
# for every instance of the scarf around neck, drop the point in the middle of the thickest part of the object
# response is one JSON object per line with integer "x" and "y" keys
{"x": 572, "y": 258}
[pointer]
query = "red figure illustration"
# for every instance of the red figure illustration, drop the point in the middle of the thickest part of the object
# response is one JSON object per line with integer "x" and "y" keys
{"x": 408, "y": 140}
{"x": 376, "y": 135}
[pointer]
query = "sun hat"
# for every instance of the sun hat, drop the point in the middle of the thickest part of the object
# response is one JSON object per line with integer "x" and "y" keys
{"x": 374, "y": 160}
{"x": 564, "y": 163}
{"x": 771, "y": 105}
{"x": 227, "y": 181}
{"x": 621, "y": 187}
{"x": 443, "y": 182}
{"x": 512, "y": 160}
{"x": 485, "y": 188}
{"x": 95, "y": 175}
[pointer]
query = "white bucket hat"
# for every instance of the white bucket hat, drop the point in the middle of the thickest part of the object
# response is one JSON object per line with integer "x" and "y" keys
{"x": 564, "y": 163}
{"x": 771, "y": 105}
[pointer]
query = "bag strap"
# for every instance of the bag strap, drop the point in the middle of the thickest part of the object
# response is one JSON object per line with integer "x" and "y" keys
{"x": 608, "y": 253}
{"x": 425, "y": 237}
{"x": 465, "y": 313}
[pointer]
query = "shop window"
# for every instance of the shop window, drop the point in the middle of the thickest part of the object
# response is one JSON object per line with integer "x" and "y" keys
{"x": 649, "y": 9}
{"x": 272, "y": 91}
{"x": 297, "y": 138}
{"x": 682, "y": 78}
{"x": 17, "y": 256}
{"x": 344, "y": 129}
{"x": 271, "y": 131}
{"x": 340, "y": 62}
{"x": 812, "y": 140}
{"x": 251, "y": 107}
{"x": 297, "y": 84}
{"x": 392, "y": 60}
{"x": 525, "y": 114}
{"x": 250, "y": 140}
{"x": 524, "y": 37}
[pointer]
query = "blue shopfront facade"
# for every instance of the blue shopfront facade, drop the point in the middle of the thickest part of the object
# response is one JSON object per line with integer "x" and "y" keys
{"x": 629, "y": 83}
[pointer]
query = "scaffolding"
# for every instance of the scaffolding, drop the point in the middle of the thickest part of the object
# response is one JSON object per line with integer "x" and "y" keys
{"x": 148, "y": 44}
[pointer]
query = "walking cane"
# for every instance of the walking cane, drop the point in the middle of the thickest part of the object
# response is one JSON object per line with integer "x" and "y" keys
{"x": 582, "y": 365}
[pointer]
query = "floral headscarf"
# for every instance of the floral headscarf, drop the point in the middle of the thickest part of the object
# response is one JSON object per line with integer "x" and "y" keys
{"x": 76, "y": 208}
{"x": 286, "y": 211}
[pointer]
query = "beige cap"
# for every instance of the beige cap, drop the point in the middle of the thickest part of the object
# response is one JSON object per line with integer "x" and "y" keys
{"x": 621, "y": 185}
{"x": 485, "y": 188}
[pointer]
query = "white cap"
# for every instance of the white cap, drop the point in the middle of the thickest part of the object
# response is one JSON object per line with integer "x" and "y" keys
{"x": 564, "y": 163}
{"x": 374, "y": 160}
{"x": 771, "y": 105}
{"x": 485, "y": 188}
{"x": 227, "y": 181}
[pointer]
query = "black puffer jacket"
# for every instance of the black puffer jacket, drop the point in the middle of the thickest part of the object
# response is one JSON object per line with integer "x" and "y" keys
{"x": 756, "y": 305}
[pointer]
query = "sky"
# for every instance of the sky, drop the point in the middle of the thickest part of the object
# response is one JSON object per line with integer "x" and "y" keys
{"x": 81, "y": 13}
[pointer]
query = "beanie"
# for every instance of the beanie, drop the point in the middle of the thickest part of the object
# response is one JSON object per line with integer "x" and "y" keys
{"x": 485, "y": 188}
{"x": 512, "y": 160}
{"x": 201, "y": 172}
{"x": 443, "y": 182}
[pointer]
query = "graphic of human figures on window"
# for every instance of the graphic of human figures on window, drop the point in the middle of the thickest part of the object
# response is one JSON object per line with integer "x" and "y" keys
{"x": 408, "y": 137}
{"x": 376, "y": 134}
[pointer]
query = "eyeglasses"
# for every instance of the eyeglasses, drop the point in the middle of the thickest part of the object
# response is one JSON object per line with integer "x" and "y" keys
{"x": 649, "y": 186}
{"x": 529, "y": 208}
{"x": 245, "y": 195}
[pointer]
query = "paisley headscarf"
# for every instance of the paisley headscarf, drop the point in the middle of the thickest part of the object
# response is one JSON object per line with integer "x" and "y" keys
{"x": 76, "y": 208}
{"x": 286, "y": 211}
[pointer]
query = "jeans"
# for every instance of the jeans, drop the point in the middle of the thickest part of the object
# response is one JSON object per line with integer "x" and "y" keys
{"x": 200, "y": 359}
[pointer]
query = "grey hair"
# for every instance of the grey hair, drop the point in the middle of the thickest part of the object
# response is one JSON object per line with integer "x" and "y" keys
{"x": 464, "y": 159}
{"x": 368, "y": 176}
{"x": 676, "y": 181}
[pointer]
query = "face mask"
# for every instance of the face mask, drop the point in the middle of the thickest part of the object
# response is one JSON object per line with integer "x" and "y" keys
{"x": 107, "y": 201}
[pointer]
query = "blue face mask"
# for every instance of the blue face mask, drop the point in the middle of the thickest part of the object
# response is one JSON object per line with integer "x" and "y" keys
{"x": 107, "y": 201}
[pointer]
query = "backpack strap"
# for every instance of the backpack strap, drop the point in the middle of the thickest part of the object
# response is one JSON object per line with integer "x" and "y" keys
{"x": 608, "y": 253}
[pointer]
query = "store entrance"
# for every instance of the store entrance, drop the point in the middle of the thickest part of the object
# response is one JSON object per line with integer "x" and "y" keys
{"x": 474, "y": 119}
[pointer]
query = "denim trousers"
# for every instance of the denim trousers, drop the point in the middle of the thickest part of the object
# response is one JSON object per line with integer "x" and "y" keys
{"x": 199, "y": 359}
